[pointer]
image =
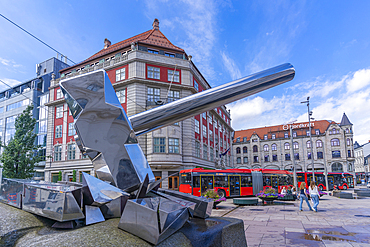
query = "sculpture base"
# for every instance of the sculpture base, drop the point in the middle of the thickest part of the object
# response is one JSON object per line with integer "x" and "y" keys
{"x": 26, "y": 229}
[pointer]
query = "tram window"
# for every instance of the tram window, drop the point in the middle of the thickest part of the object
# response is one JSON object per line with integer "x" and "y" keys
{"x": 196, "y": 181}
{"x": 266, "y": 180}
{"x": 320, "y": 179}
{"x": 246, "y": 181}
{"x": 283, "y": 180}
{"x": 289, "y": 180}
{"x": 220, "y": 181}
{"x": 185, "y": 178}
{"x": 300, "y": 178}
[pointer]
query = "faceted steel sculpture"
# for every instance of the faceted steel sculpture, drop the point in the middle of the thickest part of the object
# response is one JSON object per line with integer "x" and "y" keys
{"x": 108, "y": 137}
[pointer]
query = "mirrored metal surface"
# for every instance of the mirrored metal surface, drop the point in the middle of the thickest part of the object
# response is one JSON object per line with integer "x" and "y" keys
{"x": 104, "y": 131}
{"x": 93, "y": 215}
{"x": 209, "y": 99}
{"x": 114, "y": 209}
{"x": 98, "y": 192}
{"x": 11, "y": 192}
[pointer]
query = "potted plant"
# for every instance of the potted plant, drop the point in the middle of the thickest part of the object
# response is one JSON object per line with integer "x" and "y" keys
{"x": 212, "y": 194}
{"x": 268, "y": 194}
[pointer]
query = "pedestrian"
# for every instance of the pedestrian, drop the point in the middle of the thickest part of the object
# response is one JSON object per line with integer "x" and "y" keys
{"x": 314, "y": 193}
{"x": 303, "y": 196}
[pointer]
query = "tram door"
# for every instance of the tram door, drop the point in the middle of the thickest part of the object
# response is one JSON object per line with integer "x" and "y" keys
{"x": 234, "y": 185}
{"x": 206, "y": 183}
{"x": 275, "y": 182}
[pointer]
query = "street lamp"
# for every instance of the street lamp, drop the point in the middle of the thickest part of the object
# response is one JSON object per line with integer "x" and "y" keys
{"x": 309, "y": 127}
{"x": 292, "y": 155}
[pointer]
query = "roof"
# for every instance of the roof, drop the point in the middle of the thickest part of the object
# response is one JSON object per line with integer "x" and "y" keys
{"x": 280, "y": 130}
{"x": 345, "y": 120}
{"x": 152, "y": 37}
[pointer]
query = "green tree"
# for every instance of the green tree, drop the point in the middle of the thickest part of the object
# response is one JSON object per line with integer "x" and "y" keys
{"x": 20, "y": 154}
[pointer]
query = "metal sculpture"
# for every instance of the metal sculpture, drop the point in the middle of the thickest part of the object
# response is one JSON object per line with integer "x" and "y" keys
{"x": 108, "y": 137}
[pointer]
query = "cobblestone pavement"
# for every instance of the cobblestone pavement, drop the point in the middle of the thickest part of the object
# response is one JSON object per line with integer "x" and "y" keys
{"x": 338, "y": 222}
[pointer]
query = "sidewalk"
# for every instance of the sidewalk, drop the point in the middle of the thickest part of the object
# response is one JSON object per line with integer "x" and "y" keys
{"x": 338, "y": 222}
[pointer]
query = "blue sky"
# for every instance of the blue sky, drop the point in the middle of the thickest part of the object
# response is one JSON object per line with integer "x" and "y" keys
{"x": 327, "y": 42}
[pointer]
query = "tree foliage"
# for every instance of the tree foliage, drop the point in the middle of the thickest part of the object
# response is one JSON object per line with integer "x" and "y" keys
{"x": 18, "y": 158}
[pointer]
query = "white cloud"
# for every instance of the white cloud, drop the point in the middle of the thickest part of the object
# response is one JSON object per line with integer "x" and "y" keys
{"x": 360, "y": 79}
{"x": 231, "y": 66}
{"x": 329, "y": 100}
{"x": 9, "y": 63}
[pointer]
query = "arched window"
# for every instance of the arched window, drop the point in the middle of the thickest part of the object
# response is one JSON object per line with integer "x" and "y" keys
{"x": 350, "y": 167}
{"x": 334, "y": 130}
{"x": 347, "y": 130}
{"x": 273, "y": 147}
{"x": 348, "y": 142}
{"x": 295, "y": 145}
{"x": 319, "y": 144}
{"x": 308, "y": 144}
{"x": 245, "y": 150}
{"x": 265, "y": 147}
{"x": 255, "y": 148}
{"x": 286, "y": 146}
{"x": 238, "y": 150}
{"x": 337, "y": 167}
{"x": 335, "y": 142}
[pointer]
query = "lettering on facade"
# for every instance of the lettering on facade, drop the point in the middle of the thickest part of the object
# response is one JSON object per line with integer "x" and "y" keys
{"x": 297, "y": 126}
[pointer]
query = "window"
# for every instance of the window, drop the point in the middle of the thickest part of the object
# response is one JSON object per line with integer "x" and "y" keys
{"x": 334, "y": 130}
{"x": 238, "y": 160}
{"x": 238, "y": 150}
{"x": 334, "y": 142}
{"x": 245, "y": 159}
{"x": 153, "y": 94}
{"x": 337, "y": 167}
{"x": 255, "y": 148}
{"x": 335, "y": 154}
{"x": 17, "y": 104}
{"x": 274, "y": 147}
{"x": 210, "y": 134}
{"x": 254, "y": 140}
{"x": 173, "y": 95}
{"x": 204, "y": 131}
{"x": 266, "y": 147}
{"x": 71, "y": 151}
{"x": 204, "y": 115}
{"x": 153, "y": 51}
{"x": 196, "y": 85}
{"x": 153, "y": 73}
{"x": 308, "y": 144}
{"x": 286, "y": 135}
{"x": 319, "y": 144}
{"x": 350, "y": 167}
{"x": 71, "y": 129}
{"x": 196, "y": 126}
{"x": 169, "y": 54}
{"x": 296, "y": 156}
{"x": 295, "y": 145}
{"x": 197, "y": 149}
{"x": 309, "y": 155}
{"x": 349, "y": 153}
{"x": 121, "y": 74}
{"x": 174, "y": 74}
{"x": 286, "y": 146}
{"x": 245, "y": 150}
{"x": 267, "y": 158}
{"x": 274, "y": 157}
{"x": 265, "y": 137}
{"x": 273, "y": 136}
{"x": 1, "y": 109}
{"x": 307, "y": 133}
{"x": 173, "y": 145}
{"x": 9, "y": 128}
{"x": 58, "y": 131}
{"x": 59, "y": 112}
{"x": 159, "y": 145}
{"x": 348, "y": 142}
{"x": 294, "y": 134}
{"x": 238, "y": 139}
{"x": 244, "y": 139}
{"x": 347, "y": 131}
{"x": 317, "y": 132}
{"x": 57, "y": 153}
{"x": 211, "y": 154}
{"x": 121, "y": 95}
{"x": 320, "y": 155}
{"x": 59, "y": 93}
{"x": 287, "y": 156}
{"x": 255, "y": 159}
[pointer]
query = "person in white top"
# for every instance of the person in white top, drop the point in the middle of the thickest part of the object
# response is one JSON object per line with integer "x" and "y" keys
{"x": 314, "y": 193}
{"x": 283, "y": 191}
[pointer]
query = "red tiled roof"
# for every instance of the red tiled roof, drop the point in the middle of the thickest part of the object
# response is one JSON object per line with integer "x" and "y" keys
{"x": 152, "y": 37}
{"x": 280, "y": 130}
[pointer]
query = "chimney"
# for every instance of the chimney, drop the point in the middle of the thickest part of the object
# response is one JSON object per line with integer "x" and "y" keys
{"x": 156, "y": 24}
{"x": 107, "y": 43}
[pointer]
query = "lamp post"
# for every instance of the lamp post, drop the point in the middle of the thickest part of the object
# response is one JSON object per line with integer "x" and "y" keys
{"x": 309, "y": 127}
{"x": 292, "y": 155}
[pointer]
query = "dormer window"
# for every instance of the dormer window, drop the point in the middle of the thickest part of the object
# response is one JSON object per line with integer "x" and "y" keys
{"x": 153, "y": 51}
{"x": 317, "y": 132}
{"x": 265, "y": 137}
{"x": 286, "y": 135}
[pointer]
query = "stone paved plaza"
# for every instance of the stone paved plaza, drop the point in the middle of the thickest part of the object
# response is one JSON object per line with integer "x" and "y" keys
{"x": 338, "y": 222}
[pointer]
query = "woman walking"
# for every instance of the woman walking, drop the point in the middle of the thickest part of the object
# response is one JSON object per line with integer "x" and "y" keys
{"x": 314, "y": 193}
{"x": 303, "y": 196}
